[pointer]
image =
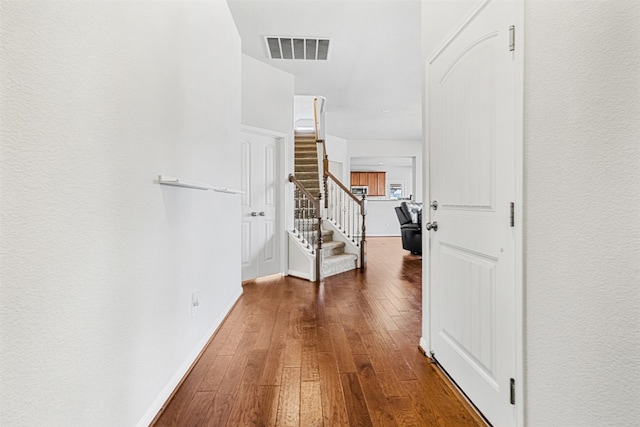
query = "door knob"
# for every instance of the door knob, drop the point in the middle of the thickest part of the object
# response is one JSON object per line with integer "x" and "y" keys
{"x": 261, "y": 213}
{"x": 432, "y": 226}
{"x": 254, "y": 213}
{"x": 434, "y": 205}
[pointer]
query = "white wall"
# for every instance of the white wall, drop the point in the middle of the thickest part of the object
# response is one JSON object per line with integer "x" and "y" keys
{"x": 267, "y": 97}
{"x": 382, "y": 219}
{"x": 338, "y": 152}
{"x": 582, "y": 220}
{"x": 97, "y": 261}
{"x": 582, "y": 233}
{"x": 380, "y": 148}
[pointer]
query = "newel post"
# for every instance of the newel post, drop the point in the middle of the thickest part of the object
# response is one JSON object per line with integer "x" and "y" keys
{"x": 363, "y": 238}
{"x": 319, "y": 240}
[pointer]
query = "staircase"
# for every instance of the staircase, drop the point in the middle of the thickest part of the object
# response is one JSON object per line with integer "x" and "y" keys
{"x": 306, "y": 162}
{"x": 334, "y": 260}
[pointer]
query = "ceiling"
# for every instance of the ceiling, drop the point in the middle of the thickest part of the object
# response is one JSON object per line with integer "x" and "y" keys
{"x": 371, "y": 79}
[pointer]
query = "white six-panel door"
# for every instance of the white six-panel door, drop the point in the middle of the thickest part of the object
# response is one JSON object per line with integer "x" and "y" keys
{"x": 259, "y": 224}
{"x": 472, "y": 137}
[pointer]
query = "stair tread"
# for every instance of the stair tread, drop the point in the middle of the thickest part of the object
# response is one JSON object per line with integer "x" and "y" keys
{"x": 333, "y": 244}
{"x": 340, "y": 257}
{"x": 336, "y": 264}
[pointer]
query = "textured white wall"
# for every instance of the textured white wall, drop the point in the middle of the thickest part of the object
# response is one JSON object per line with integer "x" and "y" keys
{"x": 337, "y": 152}
{"x": 98, "y": 262}
{"x": 382, "y": 219}
{"x": 267, "y": 96}
{"x": 582, "y": 213}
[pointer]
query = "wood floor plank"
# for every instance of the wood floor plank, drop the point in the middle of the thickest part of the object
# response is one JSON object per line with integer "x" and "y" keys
{"x": 389, "y": 383}
{"x": 244, "y": 410}
{"x": 266, "y": 330}
{"x": 334, "y": 410}
{"x": 220, "y": 407}
{"x": 272, "y": 374}
{"x": 267, "y": 405}
{"x": 289, "y": 400}
{"x": 341, "y": 349}
{"x": 213, "y": 378}
{"x": 309, "y": 364}
{"x": 355, "y": 341}
{"x": 324, "y": 340}
{"x": 293, "y": 352}
{"x": 310, "y": 404}
{"x": 354, "y": 398}
{"x": 196, "y": 413}
{"x": 404, "y": 411}
{"x": 375, "y": 397}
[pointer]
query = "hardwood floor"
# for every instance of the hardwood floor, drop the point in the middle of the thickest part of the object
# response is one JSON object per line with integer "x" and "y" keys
{"x": 344, "y": 353}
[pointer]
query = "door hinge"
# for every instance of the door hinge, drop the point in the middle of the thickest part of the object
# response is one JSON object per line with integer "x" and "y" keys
{"x": 512, "y": 397}
{"x": 512, "y": 220}
{"x": 512, "y": 38}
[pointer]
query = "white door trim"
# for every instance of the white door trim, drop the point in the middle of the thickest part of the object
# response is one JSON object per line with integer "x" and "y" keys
{"x": 282, "y": 142}
{"x": 426, "y": 339}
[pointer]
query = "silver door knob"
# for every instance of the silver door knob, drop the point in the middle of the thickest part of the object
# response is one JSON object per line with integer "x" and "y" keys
{"x": 432, "y": 226}
{"x": 434, "y": 205}
{"x": 254, "y": 213}
{"x": 261, "y": 214}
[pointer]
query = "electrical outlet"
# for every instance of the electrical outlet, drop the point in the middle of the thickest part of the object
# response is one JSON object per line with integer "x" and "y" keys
{"x": 195, "y": 303}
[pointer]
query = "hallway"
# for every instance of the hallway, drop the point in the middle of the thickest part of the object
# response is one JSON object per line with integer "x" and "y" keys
{"x": 344, "y": 353}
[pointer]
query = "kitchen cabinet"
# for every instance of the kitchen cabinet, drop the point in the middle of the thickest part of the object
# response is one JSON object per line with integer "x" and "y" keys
{"x": 376, "y": 181}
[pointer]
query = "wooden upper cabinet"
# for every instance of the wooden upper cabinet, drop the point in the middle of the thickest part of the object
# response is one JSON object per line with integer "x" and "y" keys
{"x": 372, "y": 183}
{"x": 355, "y": 178}
{"x": 376, "y": 181}
{"x": 382, "y": 183}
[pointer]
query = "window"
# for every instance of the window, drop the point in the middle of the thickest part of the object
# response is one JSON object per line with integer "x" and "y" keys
{"x": 396, "y": 191}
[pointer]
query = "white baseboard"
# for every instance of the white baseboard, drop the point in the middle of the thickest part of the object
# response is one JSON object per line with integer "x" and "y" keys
{"x": 300, "y": 274}
{"x": 168, "y": 389}
{"x": 425, "y": 346}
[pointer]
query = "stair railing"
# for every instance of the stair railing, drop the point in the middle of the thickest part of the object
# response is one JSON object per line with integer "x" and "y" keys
{"x": 342, "y": 207}
{"x": 307, "y": 220}
{"x": 346, "y": 211}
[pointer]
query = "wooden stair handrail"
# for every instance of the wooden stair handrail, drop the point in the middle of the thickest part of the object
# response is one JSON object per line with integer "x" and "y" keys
{"x": 344, "y": 188}
{"x": 298, "y": 184}
{"x": 315, "y": 118}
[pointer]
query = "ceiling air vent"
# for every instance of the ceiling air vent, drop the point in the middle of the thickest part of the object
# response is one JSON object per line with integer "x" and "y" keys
{"x": 297, "y": 48}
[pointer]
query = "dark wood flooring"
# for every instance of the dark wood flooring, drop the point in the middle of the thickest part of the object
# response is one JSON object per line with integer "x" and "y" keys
{"x": 344, "y": 353}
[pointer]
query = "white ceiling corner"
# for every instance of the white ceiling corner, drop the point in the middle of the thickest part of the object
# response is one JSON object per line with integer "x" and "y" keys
{"x": 374, "y": 62}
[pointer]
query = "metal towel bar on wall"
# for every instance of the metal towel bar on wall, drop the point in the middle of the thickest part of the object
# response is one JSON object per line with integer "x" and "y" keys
{"x": 179, "y": 182}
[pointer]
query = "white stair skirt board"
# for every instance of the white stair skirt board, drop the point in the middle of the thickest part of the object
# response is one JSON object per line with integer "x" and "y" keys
{"x": 302, "y": 262}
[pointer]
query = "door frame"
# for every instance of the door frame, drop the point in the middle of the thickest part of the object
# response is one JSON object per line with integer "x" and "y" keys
{"x": 426, "y": 340}
{"x": 282, "y": 154}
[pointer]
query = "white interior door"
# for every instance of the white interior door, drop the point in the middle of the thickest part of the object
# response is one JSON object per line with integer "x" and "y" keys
{"x": 472, "y": 139}
{"x": 260, "y": 235}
